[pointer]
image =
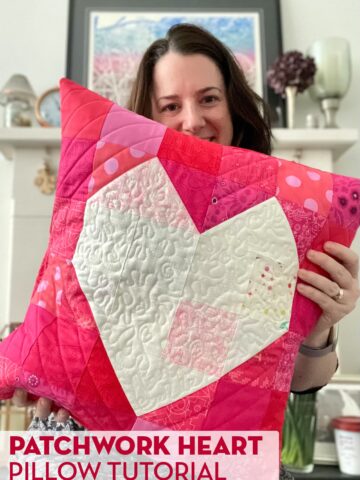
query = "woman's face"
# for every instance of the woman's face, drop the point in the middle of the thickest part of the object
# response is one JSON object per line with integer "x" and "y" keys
{"x": 189, "y": 96}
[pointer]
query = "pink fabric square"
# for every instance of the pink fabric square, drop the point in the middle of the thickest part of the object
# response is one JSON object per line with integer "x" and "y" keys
{"x": 200, "y": 337}
{"x": 233, "y": 204}
{"x": 66, "y": 225}
{"x": 132, "y": 130}
{"x": 305, "y": 225}
{"x": 77, "y": 157}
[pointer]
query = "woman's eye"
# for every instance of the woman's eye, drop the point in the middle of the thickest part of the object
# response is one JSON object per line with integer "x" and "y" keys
{"x": 210, "y": 99}
{"x": 171, "y": 107}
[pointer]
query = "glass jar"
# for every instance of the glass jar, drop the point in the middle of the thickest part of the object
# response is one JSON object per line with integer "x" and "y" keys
{"x": 18, "y": 113}
{"x": 299, "y": 433}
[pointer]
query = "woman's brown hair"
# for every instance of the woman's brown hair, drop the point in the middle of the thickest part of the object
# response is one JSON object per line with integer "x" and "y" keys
{"x": 249, "y": 113}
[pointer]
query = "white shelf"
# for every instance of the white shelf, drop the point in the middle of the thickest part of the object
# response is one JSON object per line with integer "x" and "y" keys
{"x": 31, "y": 137}
{"x": 336, "y": 140}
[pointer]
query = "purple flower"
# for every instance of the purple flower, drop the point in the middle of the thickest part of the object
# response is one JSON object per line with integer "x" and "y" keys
{"x": 291, "y": 69}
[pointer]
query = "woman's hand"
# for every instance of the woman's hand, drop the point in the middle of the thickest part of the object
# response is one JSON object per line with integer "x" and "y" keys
{"x": 337, "y": 295}
{"x": 43, "y": 406}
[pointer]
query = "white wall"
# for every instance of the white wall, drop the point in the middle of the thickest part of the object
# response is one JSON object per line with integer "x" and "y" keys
{"x": 33, "y": 42}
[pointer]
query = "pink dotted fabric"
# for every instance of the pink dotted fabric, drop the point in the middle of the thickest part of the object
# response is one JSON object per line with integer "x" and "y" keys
{"x": 309, "y": 188}
{"x": 111, "y": 161}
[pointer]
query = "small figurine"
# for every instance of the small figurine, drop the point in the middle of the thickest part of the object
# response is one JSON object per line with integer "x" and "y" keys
{"x": 45, "y": 180}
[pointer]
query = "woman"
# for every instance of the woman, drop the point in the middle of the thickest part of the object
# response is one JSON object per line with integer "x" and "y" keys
{"x": 190, "y": 82}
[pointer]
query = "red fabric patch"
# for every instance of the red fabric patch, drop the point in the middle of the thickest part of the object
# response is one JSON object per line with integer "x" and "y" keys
{"x": 190, "y": 151}
{"x": 249, "y": 168}
{"x": 188, "y": 413}
{"x": 194, "y": 188}
{"x": 82, "y": 112}
{"x": 99, "y": 396}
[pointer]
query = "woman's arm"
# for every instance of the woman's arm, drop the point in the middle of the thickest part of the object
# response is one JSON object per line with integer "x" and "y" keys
{"x": 336, "y": 296}
{"x": 314, "y": 371}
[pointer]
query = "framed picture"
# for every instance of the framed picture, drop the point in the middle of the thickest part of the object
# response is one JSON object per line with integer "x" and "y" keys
{"x": 107, "y": 39}
{"x": 341, "y": 397}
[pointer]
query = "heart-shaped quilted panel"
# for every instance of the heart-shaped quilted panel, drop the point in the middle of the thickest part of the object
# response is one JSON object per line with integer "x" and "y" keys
{"x": 189, "y": 307}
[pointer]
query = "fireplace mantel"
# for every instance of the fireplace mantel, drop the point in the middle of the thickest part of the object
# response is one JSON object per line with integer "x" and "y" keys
{"x": 316, "y": 139}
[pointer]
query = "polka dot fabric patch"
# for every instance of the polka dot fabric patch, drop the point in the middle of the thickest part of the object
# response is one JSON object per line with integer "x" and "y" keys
{"x": 310, "y": 189}
{"x": 112, "y": 160}
{"x": 167, "y": 296}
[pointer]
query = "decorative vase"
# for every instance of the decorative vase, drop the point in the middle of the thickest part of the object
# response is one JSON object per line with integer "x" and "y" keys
{"x": 333, "y": 75}
{"x": 299, "y": 433}
{"x": 17, "y": 96}
{"x": 290, "y": 92}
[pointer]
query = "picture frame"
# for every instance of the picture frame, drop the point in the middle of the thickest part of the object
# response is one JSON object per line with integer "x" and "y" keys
{"x": 340, "y": 397}
{"x": 84, "y": 27}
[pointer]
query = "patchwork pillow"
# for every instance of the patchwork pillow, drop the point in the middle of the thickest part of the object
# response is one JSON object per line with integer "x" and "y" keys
{"x": 166, "y": 298}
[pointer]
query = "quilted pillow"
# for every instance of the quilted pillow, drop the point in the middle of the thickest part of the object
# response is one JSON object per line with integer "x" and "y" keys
{"x": 166, "y": 298}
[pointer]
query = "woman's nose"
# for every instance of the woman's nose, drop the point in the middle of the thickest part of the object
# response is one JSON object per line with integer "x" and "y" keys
{"x": 192, "y": 119}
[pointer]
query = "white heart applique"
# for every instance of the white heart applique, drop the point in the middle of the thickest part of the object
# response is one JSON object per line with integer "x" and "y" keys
{"x": 177, "y": 310}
